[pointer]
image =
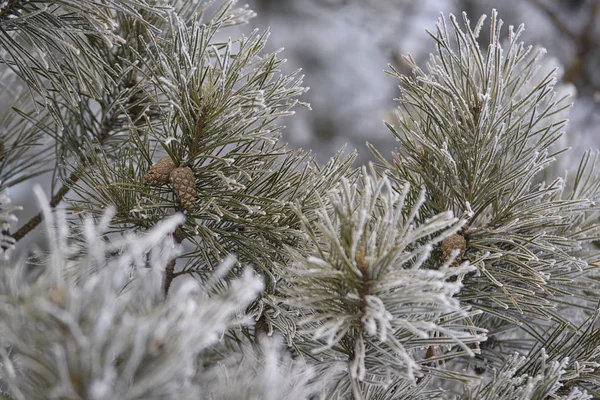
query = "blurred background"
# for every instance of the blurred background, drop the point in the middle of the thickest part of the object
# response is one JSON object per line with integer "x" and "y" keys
{"x": 343, "y": 47}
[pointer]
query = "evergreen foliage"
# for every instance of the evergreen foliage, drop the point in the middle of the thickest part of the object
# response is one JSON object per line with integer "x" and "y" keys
{"x": 462, "y": 269}
{"x": 477, "y": 131}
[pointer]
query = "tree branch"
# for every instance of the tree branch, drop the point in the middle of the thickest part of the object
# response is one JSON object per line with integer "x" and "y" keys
{"x": 107, "y": 125}
{"x": 170, "y": 270}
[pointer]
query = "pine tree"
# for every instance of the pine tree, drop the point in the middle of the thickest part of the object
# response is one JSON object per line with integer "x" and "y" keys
{"x": 194, "y": 256}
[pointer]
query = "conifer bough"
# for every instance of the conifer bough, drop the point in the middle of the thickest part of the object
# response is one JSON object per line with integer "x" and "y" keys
{"x": 461, "y": 269}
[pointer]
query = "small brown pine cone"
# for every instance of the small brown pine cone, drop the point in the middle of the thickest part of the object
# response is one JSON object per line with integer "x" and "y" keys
{"x": 159, "y": 173}
{"x": 452, "y": 243}
{"x": 184, "y": 184}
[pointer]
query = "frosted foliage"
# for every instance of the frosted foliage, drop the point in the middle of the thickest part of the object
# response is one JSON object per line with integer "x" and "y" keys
{"x": 46, "y": 36}
{"x": 478, "y": 128}
{"x": 261, "y": 372}
{"x": 457, "y": 270}
{"x": 106, "y": 332}
{"x": 364, "y": 272}
{"x": 508, "y": 384}
{"x": 480, "y": 111}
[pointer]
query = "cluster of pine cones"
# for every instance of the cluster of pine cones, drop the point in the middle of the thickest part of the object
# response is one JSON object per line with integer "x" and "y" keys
{"x": 181, "y": 178}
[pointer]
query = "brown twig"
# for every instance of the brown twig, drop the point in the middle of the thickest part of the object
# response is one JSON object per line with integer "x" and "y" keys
{"x": 54, "y": 201}
{"x": 30, "y": 225}
{"x": 170, "y": 273}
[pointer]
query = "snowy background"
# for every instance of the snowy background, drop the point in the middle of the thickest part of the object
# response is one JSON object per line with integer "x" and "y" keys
{"x": 343, "y": 47}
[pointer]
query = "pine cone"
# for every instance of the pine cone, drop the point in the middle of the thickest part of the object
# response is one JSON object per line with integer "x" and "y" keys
{"x": 184, "y": 184}
{"x": 452, "y": 243}
{"x": 159, "y": 173}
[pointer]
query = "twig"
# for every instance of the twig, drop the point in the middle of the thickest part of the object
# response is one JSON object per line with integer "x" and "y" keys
{"x": 170, "y": 270}
{"x": 54, "y": 201}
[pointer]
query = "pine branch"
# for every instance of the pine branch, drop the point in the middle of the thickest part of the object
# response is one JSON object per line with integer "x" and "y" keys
{"x": 217, "y": 112}
{"x": 53, "y": 45}
{"x": 56, "y": 199}
{"x": 477, "y": 129}
{"x": 363, "y": 269}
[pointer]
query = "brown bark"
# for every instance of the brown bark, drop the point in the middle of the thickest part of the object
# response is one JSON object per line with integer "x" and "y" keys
{"x": 170, "y": 273}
